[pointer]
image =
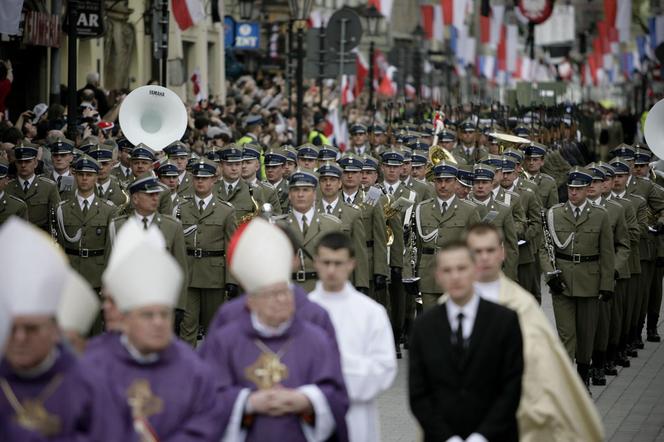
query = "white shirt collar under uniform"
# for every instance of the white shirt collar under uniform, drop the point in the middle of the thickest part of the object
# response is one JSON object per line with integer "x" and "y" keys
{"x": 309, "y": 214}
{"x": 205, "y": 200}
{"x": 90, "y": 199}
{"x": 469, "y": 314}
{"x": 447, "y": 201}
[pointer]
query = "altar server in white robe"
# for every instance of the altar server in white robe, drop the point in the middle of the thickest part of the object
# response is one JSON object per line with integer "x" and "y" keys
{"x": 363, "y": 331}
{"x": 555, "y": 405}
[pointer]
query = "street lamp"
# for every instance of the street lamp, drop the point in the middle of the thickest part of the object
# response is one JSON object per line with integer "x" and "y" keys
{"x": 374, "y": 17}
{"x": 246, "y": 9}
{"x": 418, "y": 34}
{"x": 300, "y": 10}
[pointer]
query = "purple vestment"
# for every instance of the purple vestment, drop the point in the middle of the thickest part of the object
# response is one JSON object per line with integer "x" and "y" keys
{"x": 184, "y": 406}
{"x": 310, "y": 356}
{"x": 67, "y": 394}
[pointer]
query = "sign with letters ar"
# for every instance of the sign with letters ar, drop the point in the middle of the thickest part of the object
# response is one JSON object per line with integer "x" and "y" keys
{"x": 89, "y": 18}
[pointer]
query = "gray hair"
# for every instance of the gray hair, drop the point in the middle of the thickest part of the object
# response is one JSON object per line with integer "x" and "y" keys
{"x": 93, "y": 77}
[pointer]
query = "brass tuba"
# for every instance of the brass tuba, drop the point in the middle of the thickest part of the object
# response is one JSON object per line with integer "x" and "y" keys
{"x": 436, "y": 155}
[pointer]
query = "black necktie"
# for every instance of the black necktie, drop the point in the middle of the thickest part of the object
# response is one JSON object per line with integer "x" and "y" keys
{"x": 444, "y": 207}
{"x": 459, "y": 333}
{"x": 59, "y": 181}
{"x": 329, "y": 209}
{"x": 348, "y": 200}
{"x": 100, "y": 190}
{"x": 305, "y": 226}
{"x": 145, "y": 223}
{"x": 391, "y": 190}
{"x": 577, "y": 212}
{"x": 201, "y": 206}
{"x": 230, "y": 189}
{"x": 85, "y": 207}
{"x": 26, "y": 186}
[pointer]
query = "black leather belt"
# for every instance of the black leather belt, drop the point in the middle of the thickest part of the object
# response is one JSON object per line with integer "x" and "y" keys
{"x": 304, "y": 276}
{"x": 370, "y": 243}
{"x": 200, "y": 253}
{"x": 428, "y": 251}
{"x": 577, "y": 257}
{"x": 85, "y": 253}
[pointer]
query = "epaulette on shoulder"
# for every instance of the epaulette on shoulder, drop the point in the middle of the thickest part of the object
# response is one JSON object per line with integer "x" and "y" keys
{"x": 558, "y": 206}
{"x": 426, "y": 201}
{"x": 109, "y": 203}
{"x": 512, "y": 193}
{"x": 46, "y": 180}
{"x": 547, "y": 176}
{"x": 331, "y": 218}
{"x": 62, "y": 203}
{"x": 169, "y": 218}
{"x": 467, "y": 202}
{"x": 502, "y": 203}
{"x": 638, "y": 196}
{"x": 599, "y": 207}
{"x": 657, "y": 186}
{"x": 120, "y": 217}
{"x": 282, "y": 217}
{"x": 266, "y": 184}
{"x": 528, "y": 189}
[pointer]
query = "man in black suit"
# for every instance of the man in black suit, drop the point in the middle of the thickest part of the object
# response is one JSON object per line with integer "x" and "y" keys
{"x": 466, "y": 360}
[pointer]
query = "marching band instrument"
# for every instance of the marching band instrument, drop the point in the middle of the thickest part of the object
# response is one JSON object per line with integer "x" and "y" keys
{"x": 251, "y": 215}
{"x": 154, "y": 116}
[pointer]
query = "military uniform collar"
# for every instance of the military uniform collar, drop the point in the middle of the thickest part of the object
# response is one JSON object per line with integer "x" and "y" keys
{"x": 349, "y": 195}
{"x": 496, "y": 191}
{"x": 309, "y": 214}
{"x": 333, "y": 204}
{"x": 486, "y": 202}
{"x": 407, "y": 181}
{"x": 234, "y": 183}
{"x": 581, "y": 207}
{"x": 448, "y": 201}
{"x": 30, "y": 180}
{"x": 106, "y": 185}
{"x": 277, "y": 184}
{"x": 57, "y": 175}
{"x": 596, "y": 202}
{"x": 90, "y": 200}
{"x": 140, "y": 218}
{"x": 618, "y": 195}
{"x": 181, "y": 177}
{"x": 395, "y": 186}
{"x": 205, "y": 200}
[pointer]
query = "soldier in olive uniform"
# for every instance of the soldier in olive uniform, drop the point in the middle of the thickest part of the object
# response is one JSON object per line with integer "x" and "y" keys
{"x": 307, "y": 225}
{"x": 291, "y": 161}
{"x": 144, "y": 192}
{"x": 62, "y": 155}
{"x": 496, "y": 213}
{"x": 369, "y": 171}
{"x": 122, "y": 170}
{"x": 39, "y": 193}
{"x": 621, "y": 176}
{"x": 331, "y": 203}
{"x": 607, "y": 320}
{"x": 530, "y": 240}
{"x": 467, "y": 149}
{"x": 141, "y": 162}
{"x": 639, "y": 183}
{"x": 373, "y": 220}
{"x": 231, "y": 188}
{"x": 546, "y": 188}
{"x": 359, "y": 144}
{"x": 9, "y": 204}
{"x": 83, "y": 224}
{"x": 275, "y": 161}
{"x": 178, "y": 154}
{"x": 464, "y": 183}
{"x": 584, "y": 253}
{"x": 108, "y": 185}
{"x": 168, "y": 173}
{"x": 307, "y": 157}
{"x": 615, "y": 353}
{"x": 642, "y": 160}
{"x": 394, "y": 189}
{"x": 262, "y": 192}
{"x": 208, "y": 225}
{"x": 422, "y": 188}
{"x": 438, "y": 221}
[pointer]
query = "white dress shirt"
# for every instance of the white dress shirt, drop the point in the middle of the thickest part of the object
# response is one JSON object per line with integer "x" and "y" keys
{"x": 469, "y": 314}
{"x": 333, "y": 204}
{"x": 309, "y": 214}
{"x": 205, "y": 200}
{"x": 234, "y": 184}
{"x": 394, "y": 187}
{"x": 448, "y": 201}
{"x": 81, "y": 200}
{"x": 181, "y": 177}
{"x": 581, "y": 207}
{"x": 29, "y": 180}
{"x": 140, "y": 218}
{"x": 489, "y": 291}
{"x": 351, "y": 196}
